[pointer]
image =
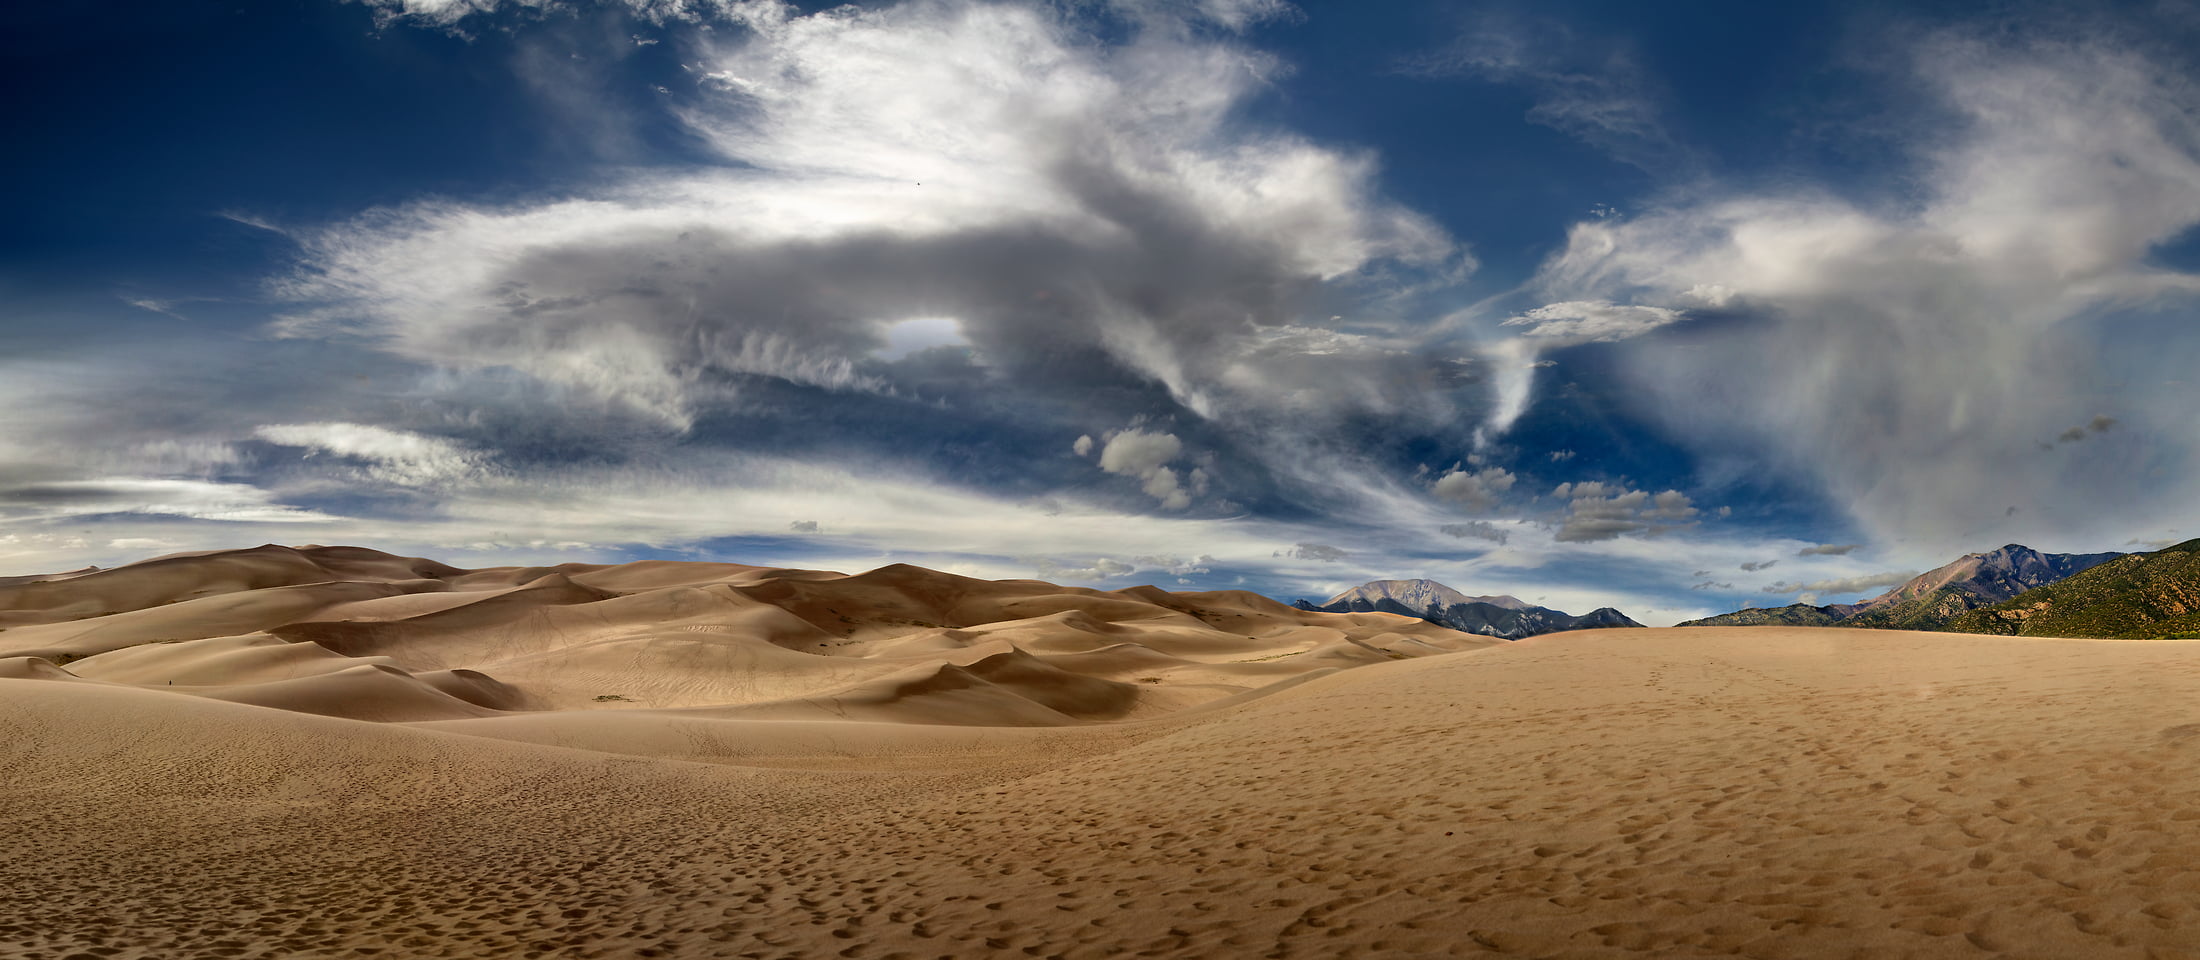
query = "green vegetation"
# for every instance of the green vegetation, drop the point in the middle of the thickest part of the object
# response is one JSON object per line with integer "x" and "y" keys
{"x": 2139, "y": 597}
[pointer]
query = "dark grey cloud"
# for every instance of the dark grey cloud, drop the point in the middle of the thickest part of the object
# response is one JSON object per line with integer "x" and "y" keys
{"x": 1476, "y": 530}
{"x": 1827, "y": 550}
{"x": 1596, "y": 510}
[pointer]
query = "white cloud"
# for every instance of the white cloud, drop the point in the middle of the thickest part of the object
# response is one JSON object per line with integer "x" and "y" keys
{"x": 1315, "y": 551}
{"x": 395, "y": 456}
{"x": 1137, "y": 453}
{"x": 1177, "y": 566}
{"x": 1103, "y": 568}
{"x": 1083, "y": 446}
{"x": 1591, "y": 321}
{"x": 1057, "y": 196}
{"x": 1551, "y": 326}
{"x": 1909, "y": 358}
{"x": 196, "y": 499}
{"x": 904, "y": 337}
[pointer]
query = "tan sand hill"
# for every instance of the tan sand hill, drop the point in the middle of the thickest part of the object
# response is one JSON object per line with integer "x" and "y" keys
{"x": 350, "y": 632}
{"x": 1759, "y": 792}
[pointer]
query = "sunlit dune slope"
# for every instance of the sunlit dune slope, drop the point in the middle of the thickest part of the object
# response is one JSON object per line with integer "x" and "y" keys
{"x": 350, "y": 632}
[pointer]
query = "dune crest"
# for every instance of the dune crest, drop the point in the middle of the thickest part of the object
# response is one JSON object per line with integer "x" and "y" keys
{"x": 356, "y": 633}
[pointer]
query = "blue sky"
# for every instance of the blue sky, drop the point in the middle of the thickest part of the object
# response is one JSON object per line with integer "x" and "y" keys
{"x": 1671, "y": 307}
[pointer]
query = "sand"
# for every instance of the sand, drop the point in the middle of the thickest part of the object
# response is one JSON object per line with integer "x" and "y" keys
{"x": 1749, "y": 791}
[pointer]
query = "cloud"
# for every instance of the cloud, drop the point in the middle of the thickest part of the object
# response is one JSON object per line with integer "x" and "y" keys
{"x": 1103, "y": 568}
{"x": 195, "y": 499}
{"x": 1094, "y": 217}
{"x": 1478, "y": 490}
{"x": 1177, "y": 566}
{"x": 1602, "y": 511}
{"x": 1314, "y": 551}
{"x": 1756, "y": 565}
{"x": 1137, "y": 453}
{"x": 1906, "y": 357}
{"x": 1594, "y": 91}
{"x": 2099, "y": 424}
{"x": 802, "y": 526}
{"x": 1083, "y": 446}
{"x": 1592, "y": 321}
{"x": 393, "y": 456}
{"x": 1476, "y": 530}
{"x": 1515, "y": 360}
{"x": 1827, "y": 550}
{"x": 1712, "y": 585}
{"x": 1842, "y": 585}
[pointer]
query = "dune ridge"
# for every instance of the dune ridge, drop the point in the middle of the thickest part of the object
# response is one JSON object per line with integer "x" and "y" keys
{"x": 352, "y": 632}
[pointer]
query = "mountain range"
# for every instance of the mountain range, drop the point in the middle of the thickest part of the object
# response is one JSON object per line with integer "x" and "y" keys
{"x": 1505, "y": 617}
{"x": 1935, "y": 599}
{"x": 2139, "y": 596}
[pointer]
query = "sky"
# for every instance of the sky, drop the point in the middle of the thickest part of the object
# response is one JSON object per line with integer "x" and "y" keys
{"x": 1677, "y": 308}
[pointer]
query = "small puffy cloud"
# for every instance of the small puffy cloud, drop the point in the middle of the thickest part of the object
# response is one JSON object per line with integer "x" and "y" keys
{"x": 1313, "y": 551}
{"x": 1476, "y": 491}
{"x": 1592, "y": 321}
{"x": 1846, "y": 584}
{"x": 1561, "y": 456}
{"x": 1602, "y": 511}
{"x": 803, "y": 526}
{"x": 1827, "y": 550}
{"x": 395, "y": 456}
{"x": 1137, "y": 453}
{"x": 1083, "y": 446}
{"x": 1711, "y": 585}
{"x": 1475, "y": 530}
{"x": 1756, "y": 565}
{"x": 1133, "y": 452}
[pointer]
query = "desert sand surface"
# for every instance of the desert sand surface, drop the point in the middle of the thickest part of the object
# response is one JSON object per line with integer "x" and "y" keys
{"x": 985, "y": 769}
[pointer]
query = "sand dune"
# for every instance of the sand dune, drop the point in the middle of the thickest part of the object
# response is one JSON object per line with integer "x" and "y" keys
{"x": 1759, "y": 792}
{"x": 899, "y": 642}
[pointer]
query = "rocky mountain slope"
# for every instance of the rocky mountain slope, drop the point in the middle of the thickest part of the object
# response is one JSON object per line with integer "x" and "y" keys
{"x": 1934, "y": 599}
{"x": 1792, "y": 615}
{"x": 1506, "y": 617}
{"x": 1939, "y": 596}
{"x": 2135, "y": 597}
